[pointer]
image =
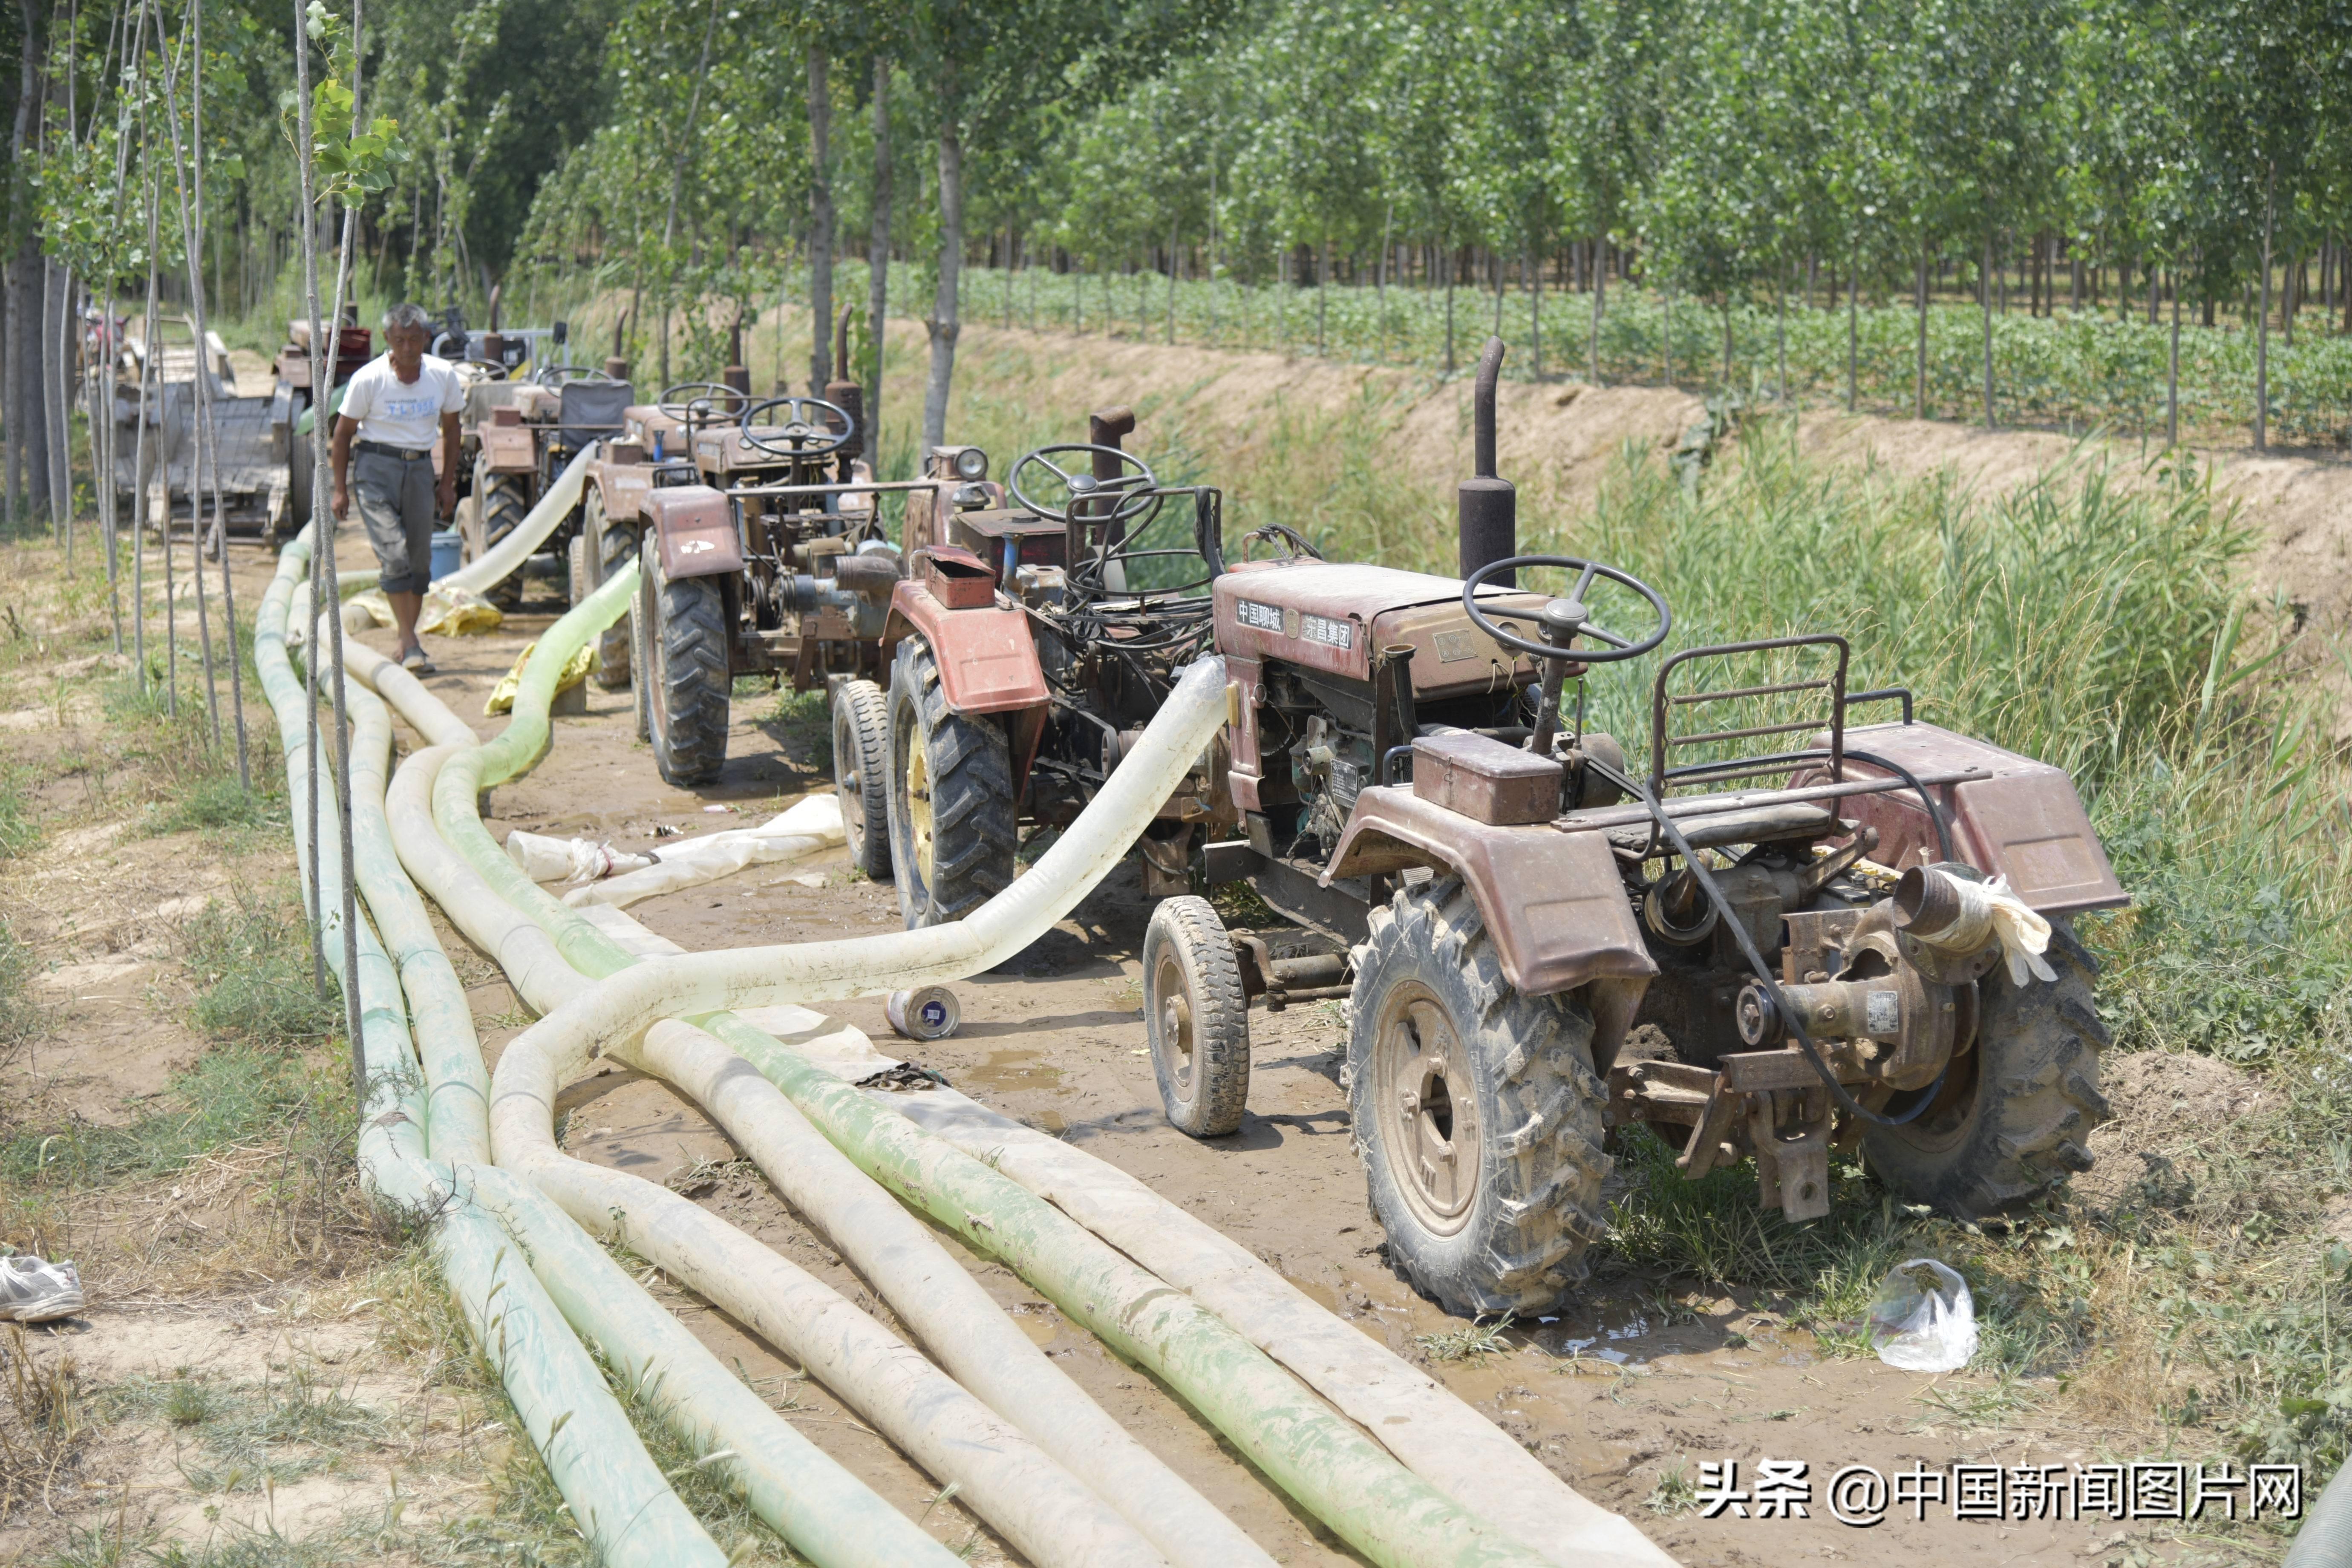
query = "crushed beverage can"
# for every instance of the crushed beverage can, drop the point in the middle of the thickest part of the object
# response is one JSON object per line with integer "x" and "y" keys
{"x": 924, "y": 1012}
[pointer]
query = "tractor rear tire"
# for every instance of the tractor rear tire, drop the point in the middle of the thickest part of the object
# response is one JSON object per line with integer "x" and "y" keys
{"x": 607, "y": 550}
{"x": 688, "y": 683}
{"x": 299, "y": 487}
{"x": 1476, "y": 1111}
{"x": 500, "y": 502}
{"x": 2014, "y": 1115}
{"x": 861, "y": 773}
{"x": 575, "y": 571}
{"x": 639, "y": 660}
{"x": 1196, "y": 1017}
{"x": 953, "y": 823}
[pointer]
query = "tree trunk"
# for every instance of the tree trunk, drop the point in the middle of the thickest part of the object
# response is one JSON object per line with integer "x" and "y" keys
{"x": 1666, "y": 333}
{"x": 1172, "y": 282}
{"x": 1450, "y": 268}
{"x": 1853, "y": 327}
{"x": 2290, "y": 299}
{"x": 820, "y": 113}
{"x": 1322, "y": 282}
{"x": 1535, "y": 314}
{"x": 943, "y": 324}
{"x": 2262, "y": 332}
{"x": 1781, "y": 332}
{"x": 13, "y": 367}
{"x": 1984, "y": 285}
{"x": 2172, "y": 371}
{"x": 1600, "y": 301}
{"x": 1919, "y": 364}
{"x": 53, "y": 407}
{"x": 878, "y": 269}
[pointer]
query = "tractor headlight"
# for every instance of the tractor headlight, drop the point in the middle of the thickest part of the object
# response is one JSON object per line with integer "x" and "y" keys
{"x": 972, "y": 464}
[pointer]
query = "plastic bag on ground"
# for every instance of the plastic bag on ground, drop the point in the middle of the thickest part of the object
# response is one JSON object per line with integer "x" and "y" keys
{"x": 547, "y": 859}
{"x": 452, "y": 611}
{"x": 575, "y": 671}
{"x": 1923, "y": 1319}
{"x": 813, "y": 824}
{"x": 448, "y": 612}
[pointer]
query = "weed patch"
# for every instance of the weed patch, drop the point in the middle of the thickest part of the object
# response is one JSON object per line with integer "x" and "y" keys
{"x": 251, "y": 958}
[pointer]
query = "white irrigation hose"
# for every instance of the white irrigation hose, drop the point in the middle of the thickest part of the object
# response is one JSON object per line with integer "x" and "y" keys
{"x": 616, "y": 1492}
{"x": 940, "y": 1301}
{"x": 503, "y": 559}
{"x": 826, "y": 1513}
{"x": 1416, "y": 1418}
{"x": 1049, "y": 1515}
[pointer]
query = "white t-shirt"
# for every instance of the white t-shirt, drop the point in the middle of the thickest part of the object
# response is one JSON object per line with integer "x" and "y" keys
{"x": 404, "y": 414}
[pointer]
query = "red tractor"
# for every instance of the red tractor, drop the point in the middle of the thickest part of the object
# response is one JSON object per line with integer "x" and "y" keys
{"x": 1825, "y": 943}
{"x": 759, "y": 526}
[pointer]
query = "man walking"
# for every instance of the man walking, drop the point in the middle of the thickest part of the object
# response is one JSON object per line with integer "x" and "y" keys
{"x": 392, "y": 406}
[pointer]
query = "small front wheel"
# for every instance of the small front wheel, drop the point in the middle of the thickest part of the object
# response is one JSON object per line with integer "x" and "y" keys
{"x": 1196, "y": 1017}
{"x": 861, "y": 773}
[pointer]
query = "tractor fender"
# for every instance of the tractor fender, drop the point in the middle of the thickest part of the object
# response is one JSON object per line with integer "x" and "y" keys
{"x": 2022, "y": 820}
{"x": 986, "y": 654}
{"x": 622, "y": 488}
{"x": 695, "y": 527}
{"x": 1553, "y": 901}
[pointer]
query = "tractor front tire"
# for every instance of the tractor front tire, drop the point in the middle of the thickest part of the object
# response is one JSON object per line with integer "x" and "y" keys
{"x": 951, "y": 813}
{"x": 500, "y": 501}
{"x": 861, "y": 773}
{"x": 605, "y": 552}
{"x": 2014, "y": 1113}
{"x": 1476, "y": 1111}
{"x": 1196, "y": 1018}
{"x": 687, "y": 682}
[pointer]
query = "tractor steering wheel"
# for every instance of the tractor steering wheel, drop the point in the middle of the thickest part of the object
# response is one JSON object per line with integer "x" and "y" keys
{"x": 698, "y": 410}
{"x": 1133, "y": 494}
{"x": 1566, "y": 617}
{"x": 808, "y": 430}
{"x": 561, "y": 374}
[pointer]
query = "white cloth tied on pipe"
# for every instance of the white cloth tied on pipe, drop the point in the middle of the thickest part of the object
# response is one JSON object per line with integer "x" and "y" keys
{"x": 547, "y": 859}
{"x": 813, "y": 824}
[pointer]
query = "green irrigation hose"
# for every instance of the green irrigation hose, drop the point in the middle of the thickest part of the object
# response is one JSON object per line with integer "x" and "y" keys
{"x": 617, "y": 1494}
{"x": 1320, "y": 1458}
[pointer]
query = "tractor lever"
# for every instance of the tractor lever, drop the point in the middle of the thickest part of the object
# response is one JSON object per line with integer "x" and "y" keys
{"x": 1562, "y": 620}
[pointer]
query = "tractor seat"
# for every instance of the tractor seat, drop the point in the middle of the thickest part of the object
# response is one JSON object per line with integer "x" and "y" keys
{"x": 592, "y": 411}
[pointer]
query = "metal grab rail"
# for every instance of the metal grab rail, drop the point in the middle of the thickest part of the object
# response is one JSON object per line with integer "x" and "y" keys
{"x": 1662, "y": 743}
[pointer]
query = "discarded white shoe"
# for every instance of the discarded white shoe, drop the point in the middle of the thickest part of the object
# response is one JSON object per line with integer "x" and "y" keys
{"x": 34, "y": 1290}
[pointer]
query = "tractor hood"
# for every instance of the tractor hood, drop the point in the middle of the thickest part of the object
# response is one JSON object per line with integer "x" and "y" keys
{"x": 1333, "y": 615}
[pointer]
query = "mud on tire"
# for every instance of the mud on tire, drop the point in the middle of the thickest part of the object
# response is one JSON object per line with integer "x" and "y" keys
{"x": 2015, "y": 1113}
{"x": 861, "y": 773}
{"x": 1443, "y": 1054}
{"x": 684, "y": 706}
{"x": 952, "y": 828}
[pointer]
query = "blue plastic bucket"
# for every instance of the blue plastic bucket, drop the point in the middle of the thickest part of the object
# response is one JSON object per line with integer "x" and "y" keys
{"x": 445, "y": 553}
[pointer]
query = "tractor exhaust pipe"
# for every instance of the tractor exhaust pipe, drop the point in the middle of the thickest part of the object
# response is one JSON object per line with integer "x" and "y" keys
{"x": 1105, "y": 427}
{"x": 846, "y": 393}
{"x": 1488, "y": 505}
{"x": 617, "y": 364}
{"x": 736, "y": 374}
